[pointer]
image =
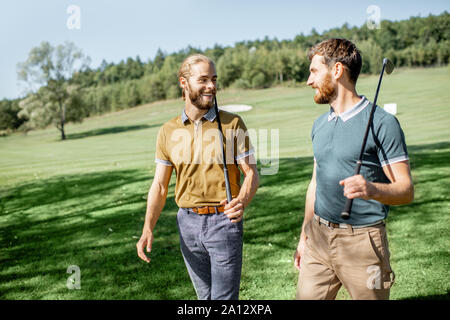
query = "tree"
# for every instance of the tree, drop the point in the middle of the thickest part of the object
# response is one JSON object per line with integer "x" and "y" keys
{"x": 9, "y": 119}
{"x": 47, "y": 72}
{"x": 372, "y": 56}
{"x": 48, "y": 106}
{"x": 159, "y": 60}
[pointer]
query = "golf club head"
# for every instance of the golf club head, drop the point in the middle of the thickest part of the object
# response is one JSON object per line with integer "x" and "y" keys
{"x": 389, "y": 66}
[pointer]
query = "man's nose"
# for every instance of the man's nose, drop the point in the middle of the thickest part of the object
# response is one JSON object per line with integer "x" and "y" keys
{"x": 310, "y": 81}
{"x": 211, "y": 85}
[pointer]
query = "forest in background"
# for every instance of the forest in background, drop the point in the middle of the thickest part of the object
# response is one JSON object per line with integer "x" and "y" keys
{"x": 416, "y": 42}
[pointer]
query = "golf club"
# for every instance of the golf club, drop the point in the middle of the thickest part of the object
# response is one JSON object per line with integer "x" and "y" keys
{"x": 225, "y": 169}
{"x": 388, "y": 66}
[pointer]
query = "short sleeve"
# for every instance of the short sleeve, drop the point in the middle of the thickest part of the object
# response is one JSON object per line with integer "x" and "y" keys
{"x": 391, "y": 145}
{"x": 243, "y": 146}
{"x": 161, "y": 155}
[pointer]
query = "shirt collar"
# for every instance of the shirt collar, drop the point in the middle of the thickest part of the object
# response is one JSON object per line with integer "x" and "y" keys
{"x": 357, "y": 108}
{"x": 210, "y": 115}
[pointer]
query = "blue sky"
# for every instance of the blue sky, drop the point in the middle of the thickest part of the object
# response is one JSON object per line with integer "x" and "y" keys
{"x": 115, "y": 30}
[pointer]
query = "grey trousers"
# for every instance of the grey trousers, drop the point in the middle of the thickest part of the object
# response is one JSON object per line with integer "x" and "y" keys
{"x": 212, "y": 250}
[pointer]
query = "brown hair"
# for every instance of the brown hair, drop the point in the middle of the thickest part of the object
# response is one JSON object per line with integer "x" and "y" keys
{"x": 339, "y": 50}
{"x": 185, "y": 68}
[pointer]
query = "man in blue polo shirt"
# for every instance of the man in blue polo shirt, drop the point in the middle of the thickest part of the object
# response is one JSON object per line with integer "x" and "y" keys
{"x": 333, "y": 252}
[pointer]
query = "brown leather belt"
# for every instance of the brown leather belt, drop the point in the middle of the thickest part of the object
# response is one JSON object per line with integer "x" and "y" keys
{"x": 208, "y": 209}
{"x": 344, "y": 225}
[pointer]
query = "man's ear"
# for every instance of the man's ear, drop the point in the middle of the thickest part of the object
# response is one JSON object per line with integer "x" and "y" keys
{"x": 338, "y": 70}
{"x": 183, "y": 82}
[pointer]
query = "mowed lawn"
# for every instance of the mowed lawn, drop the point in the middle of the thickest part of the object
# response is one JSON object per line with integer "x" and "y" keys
{"x": 81, "y": 202}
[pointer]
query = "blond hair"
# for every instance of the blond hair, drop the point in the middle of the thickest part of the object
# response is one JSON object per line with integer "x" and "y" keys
{"x": 186, "y": 66}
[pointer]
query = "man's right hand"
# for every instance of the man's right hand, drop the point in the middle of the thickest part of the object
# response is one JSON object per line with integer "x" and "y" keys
{"x": 299, "y": 252}
{"x": 145, "y": 242}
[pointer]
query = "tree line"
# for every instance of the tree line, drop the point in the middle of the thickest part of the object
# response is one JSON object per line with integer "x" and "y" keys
{"x": 77, "y": 91}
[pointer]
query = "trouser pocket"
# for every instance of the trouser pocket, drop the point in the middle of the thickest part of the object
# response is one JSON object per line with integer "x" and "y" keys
{"x": 385, "y": 276}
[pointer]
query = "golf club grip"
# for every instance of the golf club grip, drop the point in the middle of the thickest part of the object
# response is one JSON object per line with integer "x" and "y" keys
{"x": 345, "y": 214}
{"x": 347, "y": 209}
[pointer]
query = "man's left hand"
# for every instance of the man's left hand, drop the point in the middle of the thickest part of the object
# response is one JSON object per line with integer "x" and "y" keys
{"x": 357, "y": 187}
{"x": 234, "y": 210}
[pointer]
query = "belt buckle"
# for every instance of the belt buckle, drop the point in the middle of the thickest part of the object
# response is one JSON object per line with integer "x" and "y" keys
{"x": 325, "y": 222}
{"x": 200, "y": 210}
{"x": 205, "y": 210}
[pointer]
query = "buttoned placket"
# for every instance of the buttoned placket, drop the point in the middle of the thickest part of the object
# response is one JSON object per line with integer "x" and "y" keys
{"x": 197, "y": 124}
{"x": 334, "y": 118}
{"x": 198, "y": 141}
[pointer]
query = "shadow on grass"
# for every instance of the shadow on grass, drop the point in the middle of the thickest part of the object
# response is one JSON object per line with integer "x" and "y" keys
{"x": 110, "y": 130}
{"x": 430, "y": 156}
{"x": 274, "y": 218}
{"x": 94, "y": 221}
{"x": 429, "y": 147}
{"x": 428, "y": 164}
{"x": 278, "y": 205}
{"x": 445, "y": 296}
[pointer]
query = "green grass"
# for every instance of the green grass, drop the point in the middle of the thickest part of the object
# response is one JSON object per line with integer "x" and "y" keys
{"x": 82, "y": 201}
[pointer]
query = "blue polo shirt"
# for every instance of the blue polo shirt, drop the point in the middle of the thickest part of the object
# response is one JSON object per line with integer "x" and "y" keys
{"x": 337, "y": 142}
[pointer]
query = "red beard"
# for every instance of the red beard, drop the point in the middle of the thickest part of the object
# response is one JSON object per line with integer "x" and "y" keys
{"x": 326, "y": 91}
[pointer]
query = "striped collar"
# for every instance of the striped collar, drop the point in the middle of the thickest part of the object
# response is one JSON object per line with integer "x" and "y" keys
{"x": 210, "y": 115}
{"x": 351, "y": 112}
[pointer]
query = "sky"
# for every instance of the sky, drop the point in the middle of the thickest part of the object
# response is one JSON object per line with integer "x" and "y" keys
{"x": 116, "y": 30}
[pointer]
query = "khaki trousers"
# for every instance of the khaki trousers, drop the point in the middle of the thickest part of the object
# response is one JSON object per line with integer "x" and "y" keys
{"x": 355, "y": 258}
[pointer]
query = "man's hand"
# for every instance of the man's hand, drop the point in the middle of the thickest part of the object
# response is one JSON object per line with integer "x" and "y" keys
{"x": 145, "y": 242}
{"x": 357, "y": 187}
{"x": 234, "y": 210}
{"x": 299, "y": 252}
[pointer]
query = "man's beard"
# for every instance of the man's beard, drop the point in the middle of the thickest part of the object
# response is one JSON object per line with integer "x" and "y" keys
{"x": 326, "y": 92}
{"x": 197, "y": 100}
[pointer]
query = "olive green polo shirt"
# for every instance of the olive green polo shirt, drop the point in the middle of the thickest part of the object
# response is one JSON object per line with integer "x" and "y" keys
{"x": 194, "y": 151}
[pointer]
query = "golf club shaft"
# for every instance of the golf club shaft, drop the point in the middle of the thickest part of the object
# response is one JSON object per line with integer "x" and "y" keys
{"x": 225, "y": 169}
{"x": 349, "y": 202}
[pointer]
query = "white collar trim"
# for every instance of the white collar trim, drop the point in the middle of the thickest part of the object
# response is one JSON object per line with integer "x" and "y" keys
{"x": 347, "y": 115}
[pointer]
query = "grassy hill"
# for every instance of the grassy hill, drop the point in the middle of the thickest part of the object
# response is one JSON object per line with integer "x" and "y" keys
{"x": 82, "y": 201}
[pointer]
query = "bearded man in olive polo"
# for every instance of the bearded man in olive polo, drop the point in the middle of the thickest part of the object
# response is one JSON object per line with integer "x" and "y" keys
{"x": 210, "y": 228}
